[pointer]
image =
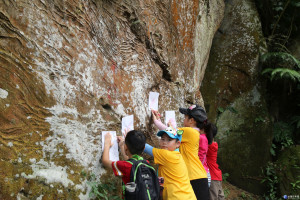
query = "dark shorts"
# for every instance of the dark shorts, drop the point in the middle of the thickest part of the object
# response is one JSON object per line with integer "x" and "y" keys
{"x": 200, "y": 187}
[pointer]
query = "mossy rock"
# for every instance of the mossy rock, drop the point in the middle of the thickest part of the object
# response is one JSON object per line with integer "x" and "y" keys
{"x": 245, "y": 138}
{"x": 234, "y": 97}
{"x": 289, "y": 173}
{"x": 232, "y": 68}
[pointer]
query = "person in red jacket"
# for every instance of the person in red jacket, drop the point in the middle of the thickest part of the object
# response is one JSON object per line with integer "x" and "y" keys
{"x": 215, "y": 189}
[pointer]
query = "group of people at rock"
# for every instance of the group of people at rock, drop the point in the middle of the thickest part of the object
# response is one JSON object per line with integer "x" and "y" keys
{"x": 187, "y": 157}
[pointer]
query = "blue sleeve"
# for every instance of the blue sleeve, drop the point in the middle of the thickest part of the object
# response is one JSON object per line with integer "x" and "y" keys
{"x": 148, "y": 150}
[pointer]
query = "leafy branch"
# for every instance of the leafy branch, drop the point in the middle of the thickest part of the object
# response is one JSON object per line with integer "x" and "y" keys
{"x": 283, "y": 73}
{"x": 282, "y": 56}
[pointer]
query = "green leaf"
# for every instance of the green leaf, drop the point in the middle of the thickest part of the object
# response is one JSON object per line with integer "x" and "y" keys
{"x": 221, "y": 110}
{"x": 283, "y": 73}
{"x": 259, "y": 119}
{"x": 232, "y": 109}
{"x": 272, "y": 152}
{"x": 268, "y": 70}
{"x": 296, "y": 4}
{"x": 282, "y": 55}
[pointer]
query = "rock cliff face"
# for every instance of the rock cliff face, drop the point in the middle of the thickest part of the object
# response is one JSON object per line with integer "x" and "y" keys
{"x": 70, "y": 69}
{"x": 234, "y": 96}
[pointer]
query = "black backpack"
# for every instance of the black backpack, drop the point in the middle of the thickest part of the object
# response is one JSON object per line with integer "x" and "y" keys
{"x": 145, "y": 178}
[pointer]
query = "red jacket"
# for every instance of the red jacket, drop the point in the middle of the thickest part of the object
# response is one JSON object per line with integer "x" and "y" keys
{"x": 211, "y": 159}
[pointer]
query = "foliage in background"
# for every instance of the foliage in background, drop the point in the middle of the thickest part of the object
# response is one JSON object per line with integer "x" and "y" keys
{"x": 271, "y": 179}
{"x": 224, "y": 177}
{"x": 286, "y": 67}
{"x": 280, "y": 22}
{"x": 102, "y": 191}
{"x": 221, "y": 110}
{"x": 283, "y": 134}
{"x": 281, "y": 26}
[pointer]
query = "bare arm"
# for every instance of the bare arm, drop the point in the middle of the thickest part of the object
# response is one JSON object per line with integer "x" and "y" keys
{"x": 122, "y": 147}
{"x": 157, "y": 121}
{"x": 105, "y": 157}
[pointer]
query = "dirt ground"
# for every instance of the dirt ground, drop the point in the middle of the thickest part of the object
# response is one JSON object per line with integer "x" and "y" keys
{"x": 234, "y": 193}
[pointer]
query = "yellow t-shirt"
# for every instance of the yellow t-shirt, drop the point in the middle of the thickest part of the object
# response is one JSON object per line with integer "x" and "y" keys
{"x": 189, "y": 148}
{"x": 173, "y": 169}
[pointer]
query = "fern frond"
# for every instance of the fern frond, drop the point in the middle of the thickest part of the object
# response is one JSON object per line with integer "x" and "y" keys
{"x": 268, "y": 70}
{"x": 282, "y": 55}
{"x": 285, "y": 73}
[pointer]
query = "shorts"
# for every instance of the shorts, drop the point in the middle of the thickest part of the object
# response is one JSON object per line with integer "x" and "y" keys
{"x": 216, "y": 190}
{"x": 200, "y": 187}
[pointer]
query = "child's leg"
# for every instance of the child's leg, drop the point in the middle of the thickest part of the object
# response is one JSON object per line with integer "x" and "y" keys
{"x": 213, "y": 190}
{"x": 221, "y": 195}
{"x": 200, "y": 187}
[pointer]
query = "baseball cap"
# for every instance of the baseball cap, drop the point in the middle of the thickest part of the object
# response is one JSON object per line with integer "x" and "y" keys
{"x": 172, "y": 133}
{"x": 195, "y": 111}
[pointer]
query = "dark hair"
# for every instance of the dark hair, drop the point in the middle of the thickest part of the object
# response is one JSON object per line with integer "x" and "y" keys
{"x": 207, "y": 127}
{"x": 135, "y": 142}
{"x": 214, "y": 130}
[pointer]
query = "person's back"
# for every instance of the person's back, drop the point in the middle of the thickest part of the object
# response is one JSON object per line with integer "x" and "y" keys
{"x": 189, "y": 150}
{"x": 176, "y": 180}
{"x": 203, "y": 148}
{"x": 143, "y": 183}
{"x": 131, "y": 150}
{"x": 215, "y": 190}
{"x": 171, "y": 167}
{"x": 215, "y": 172}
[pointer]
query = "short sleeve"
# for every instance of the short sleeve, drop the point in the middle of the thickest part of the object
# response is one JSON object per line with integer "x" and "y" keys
{"x": 160, "y": 156}
{"x": 189, "y": 134}
{"x": 121, "y": 168}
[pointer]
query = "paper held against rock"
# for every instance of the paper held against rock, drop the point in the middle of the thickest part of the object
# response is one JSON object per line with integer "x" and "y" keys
{"x": 113, "y": 152}
{"x": 170, "y": 116}
{"x": 153, "y": 100}
{"x": 127, "y": 124}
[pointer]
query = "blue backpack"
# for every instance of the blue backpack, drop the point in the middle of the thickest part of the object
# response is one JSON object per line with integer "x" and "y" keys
{"x": 143, "y": 183}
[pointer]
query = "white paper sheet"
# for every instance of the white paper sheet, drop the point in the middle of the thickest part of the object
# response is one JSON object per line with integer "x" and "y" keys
{"x": 127, "y": 124}
{"x": 153, "y": 100}
{"x": 113, "y": 152}
{"x": 170, "y": 115}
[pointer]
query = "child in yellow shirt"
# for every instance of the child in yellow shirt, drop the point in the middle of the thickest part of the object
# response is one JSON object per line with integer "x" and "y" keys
{"x": 171, "y": 166}
{"x": 189, "y": 148}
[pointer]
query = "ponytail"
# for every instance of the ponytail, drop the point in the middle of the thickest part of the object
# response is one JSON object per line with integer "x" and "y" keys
{"x": 208, "y": 129}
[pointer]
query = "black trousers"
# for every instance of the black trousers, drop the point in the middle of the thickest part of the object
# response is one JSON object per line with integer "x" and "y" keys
{"x": 200, "y": 187}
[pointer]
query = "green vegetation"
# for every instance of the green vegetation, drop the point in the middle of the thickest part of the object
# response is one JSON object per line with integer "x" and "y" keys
{"x": 221, "y": 110}
{"x": 296, "y": 185}
{"x": 224, "y": 177}
{"x": 103, "y": 191}
{"x": 272, "y": 180}
{"x": 289, "y": 64}
{"x": 281, "y": 72}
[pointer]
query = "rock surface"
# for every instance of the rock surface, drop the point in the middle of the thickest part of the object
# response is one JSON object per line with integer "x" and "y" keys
{"x": 233, "y": 96}
{"x": 71, "y": 69}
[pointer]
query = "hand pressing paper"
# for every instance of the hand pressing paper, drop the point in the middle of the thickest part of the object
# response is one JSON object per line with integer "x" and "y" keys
{"x": 170, "y": 116}
{"x": 127, "y": 124}
{"x": 153, "y": 100}
{"x": 113, "y": 151}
